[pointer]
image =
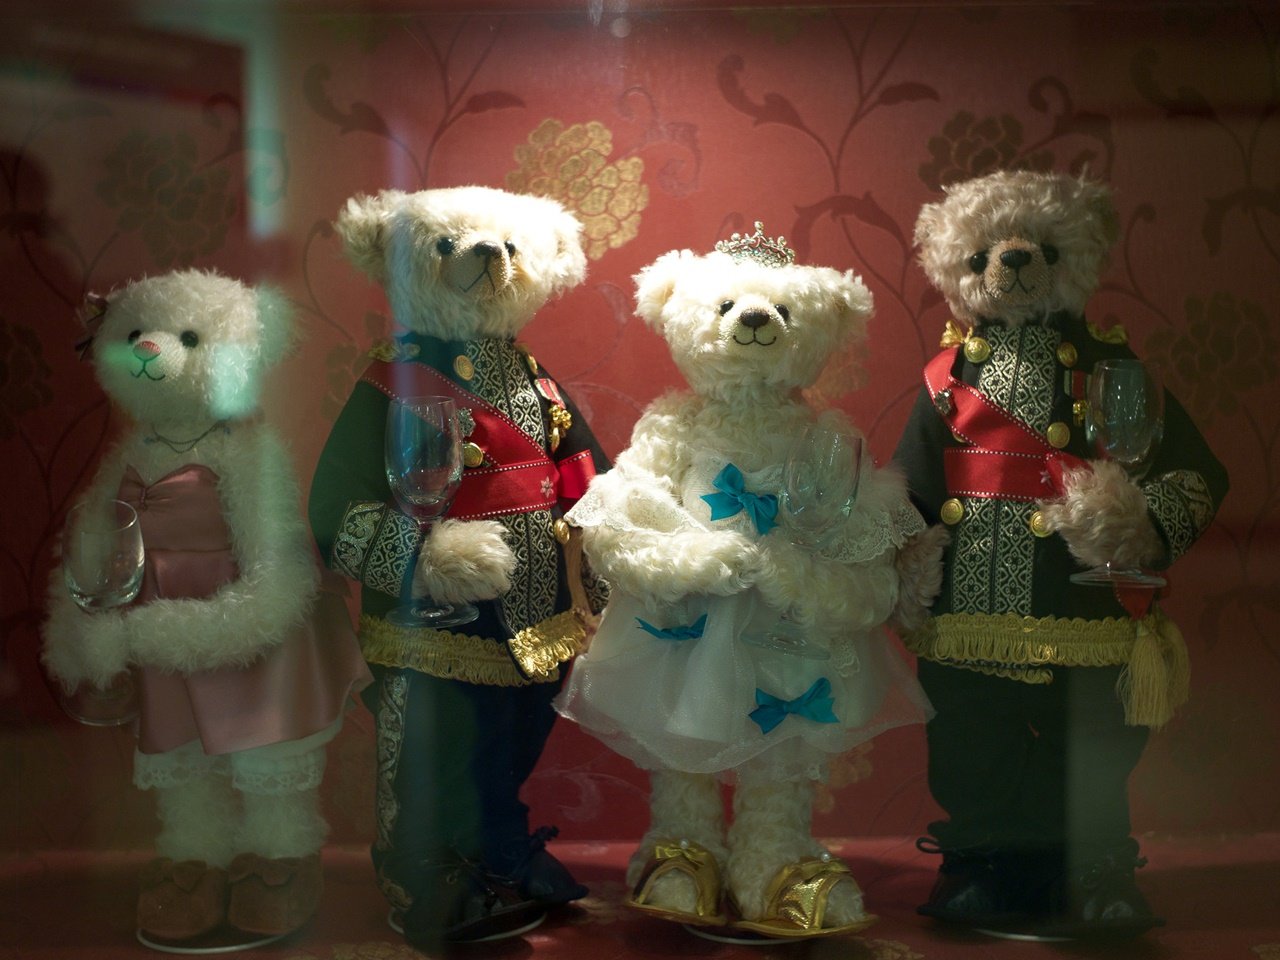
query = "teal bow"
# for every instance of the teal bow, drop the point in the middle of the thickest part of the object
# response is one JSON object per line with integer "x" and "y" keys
{"x": 814, "y": 704}
{"x": 690, "y": 631}
{"x": 734, "y": 497}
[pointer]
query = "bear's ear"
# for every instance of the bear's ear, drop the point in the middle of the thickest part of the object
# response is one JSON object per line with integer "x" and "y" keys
{"x": 570, "y": 263}
{"x": 364, "y": 224}
{"x": 656, "y": 282}
{"x": 927, "y": 223}
{"x": 275, "y": 317}
{"x": 1095, "y": 198}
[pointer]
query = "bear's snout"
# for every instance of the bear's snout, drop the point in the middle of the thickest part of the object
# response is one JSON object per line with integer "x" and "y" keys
{"x": 754, "y": 319}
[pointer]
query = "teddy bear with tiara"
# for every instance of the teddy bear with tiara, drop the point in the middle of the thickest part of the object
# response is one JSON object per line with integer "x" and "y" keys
{"x": 742, "y": 644}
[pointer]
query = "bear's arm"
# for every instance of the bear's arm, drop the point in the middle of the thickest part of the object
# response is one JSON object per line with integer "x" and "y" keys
{"x": 277, "y": 574}
{"x": 919, "y": 455}
{"x": 1186, "y": 483}
{"x": 636, "y": 532}
{"x": 357, "y": 532}
{"x": 86, "y": 647}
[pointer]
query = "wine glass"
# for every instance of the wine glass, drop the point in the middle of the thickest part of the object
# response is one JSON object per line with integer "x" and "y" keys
{"x": 1125, "y": 424}
{"x": 102, "y": 564}
{"x": 819, "y": 485}
{"x": 423, "y": 453}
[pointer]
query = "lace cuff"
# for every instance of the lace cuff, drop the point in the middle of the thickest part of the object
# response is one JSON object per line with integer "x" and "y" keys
{"x": 375, "y": 545}
{"x": 868, "y": 536}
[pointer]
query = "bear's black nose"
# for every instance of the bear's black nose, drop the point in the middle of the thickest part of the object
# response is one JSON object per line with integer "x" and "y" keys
{"x": 754, "y": 319}
{"x": 486, "y": 249}
{"x": 1015, "y": 259}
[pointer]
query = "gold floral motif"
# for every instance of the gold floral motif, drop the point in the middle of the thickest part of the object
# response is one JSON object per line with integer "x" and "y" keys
{"x": 570, "y": 164}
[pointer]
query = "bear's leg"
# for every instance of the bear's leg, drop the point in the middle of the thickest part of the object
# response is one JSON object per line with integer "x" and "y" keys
{"x": 276, "y": 878}
{"x": 429, "y": 840}
{"x": 511, "y": 734}
{"x": 683, "y": 808}
{"x": 184, "y": 891}
{"x": 771, "y": 830}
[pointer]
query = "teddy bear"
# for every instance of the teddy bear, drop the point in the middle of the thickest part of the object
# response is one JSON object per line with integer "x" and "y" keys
{"x": 462, "y": 713}
{"x": 1045, "y": 689}
{"x": 231, "y": 616}
{"x": 740, "y": 646}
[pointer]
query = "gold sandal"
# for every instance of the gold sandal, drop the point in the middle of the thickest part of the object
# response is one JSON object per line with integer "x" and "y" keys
{"x": 699, "y": 865}
{"x": 796, "y": 901}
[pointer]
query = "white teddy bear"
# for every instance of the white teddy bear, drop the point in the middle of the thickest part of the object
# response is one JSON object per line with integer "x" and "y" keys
{"x": 242, "y": 666}
{"x": 704, "y": 563}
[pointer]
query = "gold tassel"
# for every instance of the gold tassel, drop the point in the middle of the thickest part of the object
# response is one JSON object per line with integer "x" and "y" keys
{"x": 1157, "y": 679}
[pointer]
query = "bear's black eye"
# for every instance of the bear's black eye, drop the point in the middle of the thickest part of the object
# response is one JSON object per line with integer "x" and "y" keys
{"x": 134, "y": 335}
{"x": 1050, "y": 253}
{"x": 725, "y": 307}
{"x": 511, "y": 248}
{"x": 444, "y": 246}
{"x": 783, "y": 312}
{"x": 978, "y": 262}
{"x": 189, "y": 339}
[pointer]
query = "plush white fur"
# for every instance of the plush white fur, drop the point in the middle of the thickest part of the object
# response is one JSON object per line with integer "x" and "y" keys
{"x": 1063, "y": 227}
{"x": 1017, "y": 211}
{"x": 464, "y": 263}
{"x": 747, "y": 338}
{"x": 213, "y": 340}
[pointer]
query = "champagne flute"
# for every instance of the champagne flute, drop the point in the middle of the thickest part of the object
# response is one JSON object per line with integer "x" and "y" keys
{"x": 1125, "y": 424}
{"x": 102, "y": 565}
{"x": 819, "y": 486}
{"x": 423, "y": 453}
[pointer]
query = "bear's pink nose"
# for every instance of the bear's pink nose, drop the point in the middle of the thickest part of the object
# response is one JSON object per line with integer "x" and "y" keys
{"x": 145, "y": 350}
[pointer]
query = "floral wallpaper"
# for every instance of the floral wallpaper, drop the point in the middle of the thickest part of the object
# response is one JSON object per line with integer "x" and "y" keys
{"x": 134, "y": 145}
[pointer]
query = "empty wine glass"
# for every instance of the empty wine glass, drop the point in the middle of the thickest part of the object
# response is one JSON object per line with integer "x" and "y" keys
{"x": 102, "y": 565}
{"x": 423, "y": 452}
{"x": 819, "y": 485}
{"x": 1125, "y": 424}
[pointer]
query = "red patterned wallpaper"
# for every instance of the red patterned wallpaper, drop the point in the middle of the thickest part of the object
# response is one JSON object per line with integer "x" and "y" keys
{"x": 131, "y": 145}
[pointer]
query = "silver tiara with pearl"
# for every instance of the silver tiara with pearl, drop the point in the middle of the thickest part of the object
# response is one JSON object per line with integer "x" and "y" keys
{"x": 769, "y": 251}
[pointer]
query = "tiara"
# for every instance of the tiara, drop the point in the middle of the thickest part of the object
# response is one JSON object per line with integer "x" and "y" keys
{"x": 769, "y": 251}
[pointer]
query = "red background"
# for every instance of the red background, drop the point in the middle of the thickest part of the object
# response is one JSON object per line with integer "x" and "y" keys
{"x": 228, "y": 136}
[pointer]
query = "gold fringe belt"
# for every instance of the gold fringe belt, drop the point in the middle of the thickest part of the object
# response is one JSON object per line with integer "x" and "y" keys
{"x": 532, "y": 656}
{"x": 1154, "y": 683}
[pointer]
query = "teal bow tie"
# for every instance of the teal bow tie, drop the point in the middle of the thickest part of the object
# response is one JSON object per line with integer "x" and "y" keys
{"x": 733, "y": 498}
{"x": 814, "y": 704}
{"x": 691, "y": 631}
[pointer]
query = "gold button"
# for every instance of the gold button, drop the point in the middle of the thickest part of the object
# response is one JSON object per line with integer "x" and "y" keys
{"x": 560, "y": 528}
{"x": 472, "y": 455}
{"x": 976, "y": 350}
{"x": 463, "y": 366}
{"x": 951, "y": 512}
{"x": 1058, "y": 434}
{"x": 1067, "y": 354}
{"x": 1039, "y": 524}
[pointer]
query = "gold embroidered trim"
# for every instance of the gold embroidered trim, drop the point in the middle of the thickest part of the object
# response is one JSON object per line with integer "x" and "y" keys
{"x": 1153, "y": 684}
{"x": 539, "y": 650}
{"x": 1018, "y": 641}
{"x": 472, "y": 659}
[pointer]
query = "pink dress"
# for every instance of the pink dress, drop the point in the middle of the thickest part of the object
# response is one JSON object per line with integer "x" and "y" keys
{"x": 298, "y": 688}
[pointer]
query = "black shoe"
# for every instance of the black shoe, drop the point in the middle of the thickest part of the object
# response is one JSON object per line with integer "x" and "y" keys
{"x": 539, "y": 875}
{"x": 975, "y": 887}
{"x": 1101, "y": 902}
{"x": 466, "y": 904}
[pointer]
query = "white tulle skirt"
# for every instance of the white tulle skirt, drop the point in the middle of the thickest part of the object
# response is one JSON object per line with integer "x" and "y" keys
{"x": 687, "y": 704}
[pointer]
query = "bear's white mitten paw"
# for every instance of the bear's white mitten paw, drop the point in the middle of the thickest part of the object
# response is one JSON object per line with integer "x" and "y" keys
{"x": 919, "y": 567}
{"x": 464, "y": 560}
{"x": 1103, "y": 518}
{"x": 84, "y": 647}
{"x": 784, "y": 574}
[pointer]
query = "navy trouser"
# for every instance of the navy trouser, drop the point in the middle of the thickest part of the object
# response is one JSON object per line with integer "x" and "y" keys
{"x": 451, "y": 759}
{"x": 1031, "y": 767}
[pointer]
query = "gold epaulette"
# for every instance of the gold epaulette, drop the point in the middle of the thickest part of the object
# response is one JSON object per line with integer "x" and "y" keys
{"x": 1115, "y": 335}
{"x": 393, "y": 351}
{"x": 953, "y": 335}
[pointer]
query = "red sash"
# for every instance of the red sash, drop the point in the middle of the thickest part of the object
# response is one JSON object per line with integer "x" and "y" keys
{"x": 1006, "y": 459}
{"x": 522, "y": 479}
